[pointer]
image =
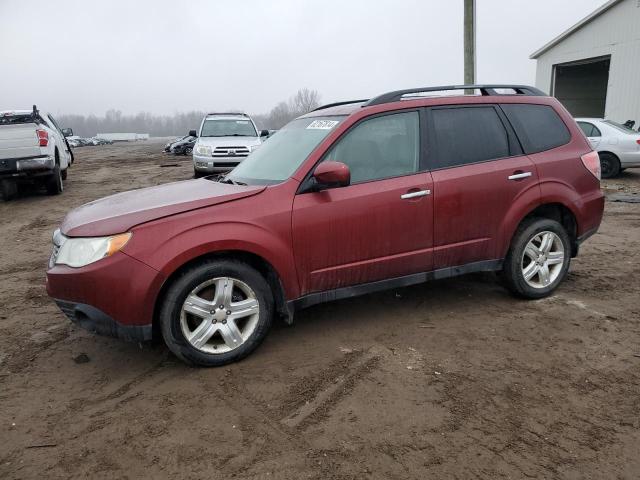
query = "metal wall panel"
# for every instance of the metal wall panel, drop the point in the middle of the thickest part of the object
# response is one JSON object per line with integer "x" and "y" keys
{"x": 617, "y": 33}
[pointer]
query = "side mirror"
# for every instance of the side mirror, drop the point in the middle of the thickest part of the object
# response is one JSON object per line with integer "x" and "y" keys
{"x": 193, "y": 133}
{"x": 331, "y": 174}
{"x": 264, "y": 133}
{"x": 67, "y": 132}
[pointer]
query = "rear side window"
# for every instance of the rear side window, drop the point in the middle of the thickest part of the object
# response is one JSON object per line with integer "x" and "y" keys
{"x": 467, "y": 135}
{"x": 589, "y": 129}
{"x": 538, "y": 126}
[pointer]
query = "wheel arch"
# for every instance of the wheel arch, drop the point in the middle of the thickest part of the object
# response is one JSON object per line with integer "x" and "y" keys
{"x": 254, "y": 260}
{"x": 554, "y": 210}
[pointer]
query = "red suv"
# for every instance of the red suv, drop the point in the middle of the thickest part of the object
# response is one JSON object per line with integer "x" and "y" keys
{"x": 351, "y": 198}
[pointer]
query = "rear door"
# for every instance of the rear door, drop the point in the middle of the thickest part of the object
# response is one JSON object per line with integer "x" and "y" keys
{"x": 478, "y": 171}
{"x": 378, "y": 227}
{"x": 592, "y": 133}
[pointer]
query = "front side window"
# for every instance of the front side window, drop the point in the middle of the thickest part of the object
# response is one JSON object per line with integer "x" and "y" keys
{"x": 589, "y": 129}
{"x": 467, "y": 135}
{"x": 228, "y": 128}
{"x": 380, "y": 147}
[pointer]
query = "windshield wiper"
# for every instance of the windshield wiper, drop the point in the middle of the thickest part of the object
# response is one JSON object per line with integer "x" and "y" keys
{"x": 230, "y": 135}
{"x": 231, "y": 182}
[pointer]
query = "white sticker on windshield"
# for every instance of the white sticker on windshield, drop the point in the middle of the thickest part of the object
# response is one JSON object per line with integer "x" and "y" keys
{"x": 322, "y": 124}
{"x": 242, "y": 122}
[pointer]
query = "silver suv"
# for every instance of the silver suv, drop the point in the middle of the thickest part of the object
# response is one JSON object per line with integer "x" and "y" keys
{"x": 224, "y": 140}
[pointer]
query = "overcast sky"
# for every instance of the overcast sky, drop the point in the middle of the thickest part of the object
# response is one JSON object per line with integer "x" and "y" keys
{"x": 165, "y": 56}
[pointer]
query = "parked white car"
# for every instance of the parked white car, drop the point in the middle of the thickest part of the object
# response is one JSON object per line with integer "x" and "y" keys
{"x": 224, "y": 140}
{"x": 32, "y": 146}
{"x": 617, "y": 145}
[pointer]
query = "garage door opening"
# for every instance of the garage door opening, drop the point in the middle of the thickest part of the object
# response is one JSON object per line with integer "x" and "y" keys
{"x": 582, "y": 86}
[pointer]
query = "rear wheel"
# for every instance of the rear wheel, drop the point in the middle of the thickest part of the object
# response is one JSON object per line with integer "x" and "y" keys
{"x": 216, "y": 313}
{"x": 609, "y": 165}
{"x": 188, "y": 151}
{"x": 8, "y": 190}
{"x": 538, "y": 259}
{"x": 53, "y": 183}
{"x": 63, "y": 173}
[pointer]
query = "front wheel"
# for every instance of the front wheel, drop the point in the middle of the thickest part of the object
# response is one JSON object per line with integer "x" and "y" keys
{"x": 609, "y": 165}
{"x": 188, "y": 151}
{"x": 216, "y": 313}
{"x": 538, "y": 259}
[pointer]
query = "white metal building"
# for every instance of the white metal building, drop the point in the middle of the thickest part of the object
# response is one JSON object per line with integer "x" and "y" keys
{"x": 594, "y": 67}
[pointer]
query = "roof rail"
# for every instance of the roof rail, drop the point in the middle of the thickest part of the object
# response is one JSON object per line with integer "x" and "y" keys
{"x": 337, "y": 104}
{"x": 240, "y": 114}
{"x": 487, "y": 90}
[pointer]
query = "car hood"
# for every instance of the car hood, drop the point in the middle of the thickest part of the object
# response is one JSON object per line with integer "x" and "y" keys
{"x": 121, "y": 212}
{"x": 229, "y": 141}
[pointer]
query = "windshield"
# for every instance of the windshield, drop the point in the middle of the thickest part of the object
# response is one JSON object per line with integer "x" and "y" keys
{"x": 282, "y": 154}
{"x": 620, "y": 127}
{"x": 228, "y": 128}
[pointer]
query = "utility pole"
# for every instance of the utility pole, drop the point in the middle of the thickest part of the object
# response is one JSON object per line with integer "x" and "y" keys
{"x": 469, "y": 42}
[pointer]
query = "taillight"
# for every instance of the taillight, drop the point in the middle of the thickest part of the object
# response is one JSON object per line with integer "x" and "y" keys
{"x": 43, "y": 137}
{"x": 591, "y": 161}
{"x": 638, "y": 141}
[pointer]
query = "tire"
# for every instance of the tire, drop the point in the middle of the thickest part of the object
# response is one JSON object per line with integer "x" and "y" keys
{"x": 8, "y": 190}
{"x": 63, "y": 173}
{"x": 53, "y": 183}
{"x": 519, "y": 262}
{"x": 197, "y": 174}
{"x": 609, "y": 165}
{"x": 188, "y": 151}
{"x": 205, "y": 285}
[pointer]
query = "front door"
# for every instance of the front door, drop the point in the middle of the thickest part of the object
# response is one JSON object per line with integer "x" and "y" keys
{"x": 378, "y": 227}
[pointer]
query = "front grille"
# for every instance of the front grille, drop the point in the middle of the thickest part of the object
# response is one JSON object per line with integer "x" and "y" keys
{"x": 231, "y": 151}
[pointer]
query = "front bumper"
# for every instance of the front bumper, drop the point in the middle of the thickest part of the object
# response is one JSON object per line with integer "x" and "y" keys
{"x": 114, "y": 296}
{"x": 96, "y": 321}
{"x": 215, "y": 164}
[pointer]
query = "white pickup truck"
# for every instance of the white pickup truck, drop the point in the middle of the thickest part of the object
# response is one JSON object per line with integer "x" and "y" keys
{"x": 32, "y": 148}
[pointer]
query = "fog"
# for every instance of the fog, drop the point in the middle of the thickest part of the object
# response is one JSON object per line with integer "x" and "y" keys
{"x": 164, "y": 57}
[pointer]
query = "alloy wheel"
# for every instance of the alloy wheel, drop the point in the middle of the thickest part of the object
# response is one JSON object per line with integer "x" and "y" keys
{"x": 543, "y": 259}
{"x": 219, "y": 315}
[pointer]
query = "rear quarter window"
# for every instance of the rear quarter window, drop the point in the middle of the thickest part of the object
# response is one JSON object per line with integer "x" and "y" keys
{"x": 538, "y": 127}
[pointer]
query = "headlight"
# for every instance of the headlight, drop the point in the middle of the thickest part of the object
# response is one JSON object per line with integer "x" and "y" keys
{"x": 203, "y": 150}
{"x": 254, "y": 147}
{"x": 78, "y": 252}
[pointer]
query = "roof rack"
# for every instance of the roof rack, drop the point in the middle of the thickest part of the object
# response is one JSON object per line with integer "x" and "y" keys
{"x": 487, "y": 90}
{"x": 239, "y": 114}
{"x": 337, "y": 104}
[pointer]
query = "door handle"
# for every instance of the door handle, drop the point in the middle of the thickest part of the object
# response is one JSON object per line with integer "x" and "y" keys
{"x": 519, "y": 176}
{"x": 421, "y": 193}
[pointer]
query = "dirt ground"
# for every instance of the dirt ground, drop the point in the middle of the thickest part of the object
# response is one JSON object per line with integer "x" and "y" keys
{"x": 451, "y": 379}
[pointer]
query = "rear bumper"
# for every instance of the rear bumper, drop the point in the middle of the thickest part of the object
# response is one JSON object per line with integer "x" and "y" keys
{"x": 26, "y": 166}
{"x": 96, "y": 321}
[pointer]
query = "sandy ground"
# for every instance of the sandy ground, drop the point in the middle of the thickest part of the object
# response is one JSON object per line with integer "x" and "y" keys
{"x": 452, "y": 379}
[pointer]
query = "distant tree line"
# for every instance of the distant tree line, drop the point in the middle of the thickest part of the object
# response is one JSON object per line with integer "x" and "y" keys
{"x": 114, "y": 121}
